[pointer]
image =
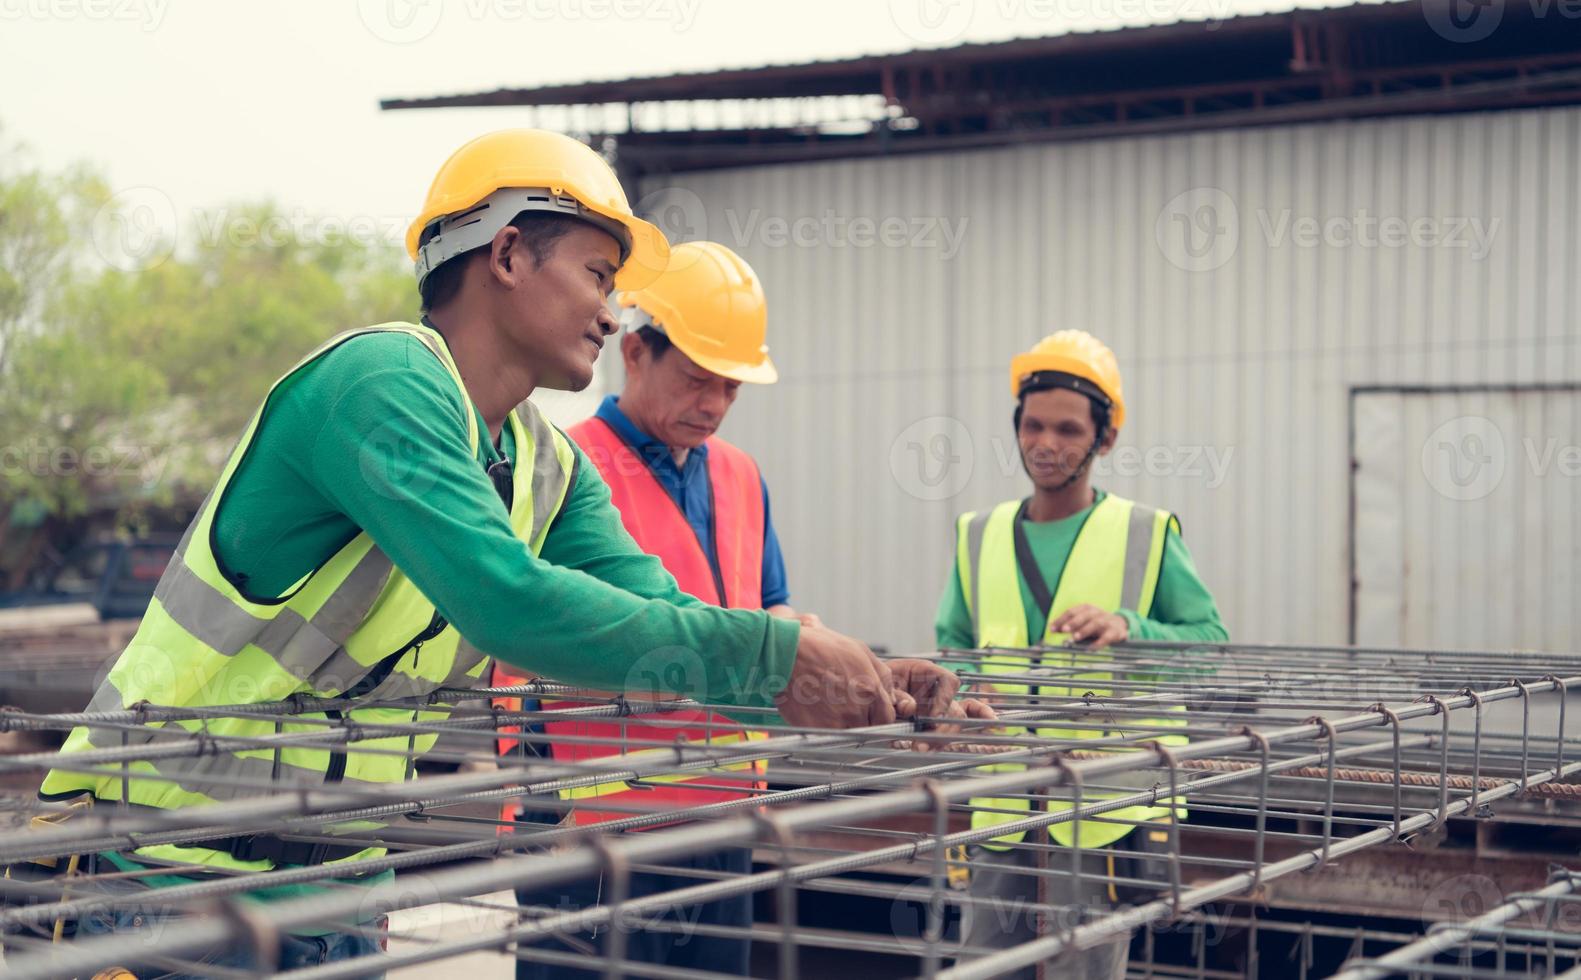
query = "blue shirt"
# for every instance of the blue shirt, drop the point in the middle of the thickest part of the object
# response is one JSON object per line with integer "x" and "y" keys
{"x": 688, "y": 486}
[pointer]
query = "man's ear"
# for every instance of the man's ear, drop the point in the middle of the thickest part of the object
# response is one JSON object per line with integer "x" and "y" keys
{"x": 632, "y": 352}
{"x": 502, "y": 254}
{"x": 1110, "y": 436}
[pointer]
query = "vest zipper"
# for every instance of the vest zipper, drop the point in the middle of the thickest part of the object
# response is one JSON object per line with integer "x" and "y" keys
{"x": 336, "y": 770}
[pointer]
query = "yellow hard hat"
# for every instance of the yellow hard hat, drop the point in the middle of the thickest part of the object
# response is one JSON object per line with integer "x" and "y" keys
{"x": 710, "y": 304}
{"x": 1079, "y": 354}
{"x": 492, "y": 179}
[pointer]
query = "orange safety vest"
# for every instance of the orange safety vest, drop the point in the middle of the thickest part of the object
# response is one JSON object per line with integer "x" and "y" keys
{"x": 659, "y": 526}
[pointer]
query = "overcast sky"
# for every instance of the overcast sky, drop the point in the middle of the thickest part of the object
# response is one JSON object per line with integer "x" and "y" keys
{"x": 210, "y": 101}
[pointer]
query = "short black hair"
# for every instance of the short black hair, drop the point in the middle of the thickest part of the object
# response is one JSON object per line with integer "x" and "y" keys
{"x": 1101, "y": 413}
{"x": 654, "y": 339}
{"x": 540, "y": 231}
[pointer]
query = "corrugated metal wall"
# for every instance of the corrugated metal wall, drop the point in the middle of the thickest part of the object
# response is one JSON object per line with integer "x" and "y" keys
{"x": 1483, "y": 551}
{"x": 1247, "y": 279}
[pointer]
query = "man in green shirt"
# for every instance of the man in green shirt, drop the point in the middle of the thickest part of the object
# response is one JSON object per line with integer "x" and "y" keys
{"x": 390, "y": 520}
{"x": 1069, "y": 565}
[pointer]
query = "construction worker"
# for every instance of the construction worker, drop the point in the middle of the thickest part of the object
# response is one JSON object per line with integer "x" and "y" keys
{"x": 692, "y": 338}
{"x": 1070, "y": 564}
{"x": 391, "y": 520}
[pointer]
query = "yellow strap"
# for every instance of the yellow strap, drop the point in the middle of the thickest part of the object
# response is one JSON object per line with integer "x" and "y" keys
{"x": 51, "y": 820}
{"x": 45, "y": 820}
{"x": 957, "y": 870}
{"x": 65, "y": 894}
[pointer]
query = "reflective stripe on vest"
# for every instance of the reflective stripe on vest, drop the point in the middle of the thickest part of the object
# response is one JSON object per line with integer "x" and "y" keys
{"x": 659, "y": 527}
{"x": 1114, "y": 564}
{"x": 202, "y": 642}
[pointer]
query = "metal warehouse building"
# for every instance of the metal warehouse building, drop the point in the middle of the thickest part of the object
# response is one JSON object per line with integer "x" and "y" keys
{"x": 1335, "y": 251}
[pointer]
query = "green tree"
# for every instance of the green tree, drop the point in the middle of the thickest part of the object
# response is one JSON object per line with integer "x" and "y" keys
{"x": 123, "y": 389}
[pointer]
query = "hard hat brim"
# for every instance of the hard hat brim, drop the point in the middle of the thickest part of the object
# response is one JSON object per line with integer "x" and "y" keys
{"x": 650, "y": 251}
{"x": 762, "y": 373}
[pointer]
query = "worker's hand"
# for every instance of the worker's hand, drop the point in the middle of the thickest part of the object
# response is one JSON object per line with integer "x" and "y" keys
{"x": 1093, "y": 626}
{"x": 786, "y": 612}
{"x": 838, "y": 683}
{"x": 930, "y": 685}
{"x": 969, "y": 709}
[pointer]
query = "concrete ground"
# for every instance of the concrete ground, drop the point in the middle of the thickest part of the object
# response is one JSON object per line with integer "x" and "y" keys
{"x": 415, "y": 928}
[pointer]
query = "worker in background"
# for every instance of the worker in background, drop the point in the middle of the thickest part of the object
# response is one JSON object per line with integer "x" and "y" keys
{"x": 1070, "y": 566}
{"x": 692, "y": 338}
{"x": 391, "y": 520}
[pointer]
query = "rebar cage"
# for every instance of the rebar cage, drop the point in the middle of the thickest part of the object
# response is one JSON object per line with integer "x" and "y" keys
{"x": 1296, "y": 785}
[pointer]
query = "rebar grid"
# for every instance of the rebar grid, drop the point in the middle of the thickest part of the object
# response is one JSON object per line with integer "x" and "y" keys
{"x": 1293, "y": 758}
{"x": 1554, "y": 913}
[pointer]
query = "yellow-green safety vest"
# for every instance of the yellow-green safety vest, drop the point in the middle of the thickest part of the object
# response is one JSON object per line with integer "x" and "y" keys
{"x": 1114, "y": 564}
{"x": 356, "y": 617}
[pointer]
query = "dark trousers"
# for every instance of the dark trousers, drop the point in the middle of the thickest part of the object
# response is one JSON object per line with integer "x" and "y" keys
{"x": 1005, "y": 911}
{"x": 138, "y": 916}
{"x": 672, "y": 943}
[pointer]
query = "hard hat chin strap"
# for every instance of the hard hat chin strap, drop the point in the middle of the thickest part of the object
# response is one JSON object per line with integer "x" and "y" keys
{"x": 1092, "y": 453}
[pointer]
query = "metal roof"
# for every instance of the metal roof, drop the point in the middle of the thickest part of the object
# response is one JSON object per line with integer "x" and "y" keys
{"x": 1416, "y": 56}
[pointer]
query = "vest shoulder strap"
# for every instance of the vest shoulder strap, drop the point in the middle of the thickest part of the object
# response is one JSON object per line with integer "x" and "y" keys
{"x": 989, "y": 577}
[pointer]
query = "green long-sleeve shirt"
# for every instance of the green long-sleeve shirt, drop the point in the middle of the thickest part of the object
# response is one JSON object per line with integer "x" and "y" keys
{"x": 585, "y": 611}
{"x": 1183, "y": 608}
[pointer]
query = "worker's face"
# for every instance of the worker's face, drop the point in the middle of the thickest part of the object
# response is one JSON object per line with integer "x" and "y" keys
{"x": 556, "y": 311}
{"x": 681, "y": 403}
{"x": 1055, "y": 433}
